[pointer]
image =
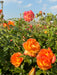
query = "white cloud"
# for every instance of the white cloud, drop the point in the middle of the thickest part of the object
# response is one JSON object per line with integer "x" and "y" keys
{"x": 40, "y": 1}
{"x": 52, "y": 0}
{"x": 53, "y": 8}
{"x": 19, "y": 2}
{"x": 29, "y": 5}
{"x": 44, "y": 7}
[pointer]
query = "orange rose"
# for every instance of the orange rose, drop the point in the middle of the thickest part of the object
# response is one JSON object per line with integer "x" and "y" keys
{"x": 11, "y": 40}
{"x": 11, "y": 23}
{"x": 8, "y": 27}
{"x": 40, "y": 12}
{"x": 16, "y": 60}
{"x": 4, "y": 24}
{"x": 45, "y": 32}
{"x": 31, "y": 47}
{"x": 45, "y": 58}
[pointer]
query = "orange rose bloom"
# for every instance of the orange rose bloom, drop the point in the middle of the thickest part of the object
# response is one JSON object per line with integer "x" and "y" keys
{"x": 45, "y": 32}
{"x": 16, "y": 60}
{"x": 40, "y": 12}
{"x": 11, "y": 40}
{"x": 4, "y": 24}
{"x": 31, "y": 47}
{"x": 11, "y": 23}
{"x": 45, "y": 58}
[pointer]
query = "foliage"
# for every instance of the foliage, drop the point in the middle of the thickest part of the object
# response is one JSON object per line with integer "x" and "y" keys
{"x": 11, "y": 42}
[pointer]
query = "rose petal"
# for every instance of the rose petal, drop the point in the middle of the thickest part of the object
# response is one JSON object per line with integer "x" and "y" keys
{"x": 54, "y": 59}
{"x": 32, "y": 72}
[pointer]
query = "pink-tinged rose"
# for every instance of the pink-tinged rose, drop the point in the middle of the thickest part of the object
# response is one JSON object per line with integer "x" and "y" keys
{"x": 30, "y": 26}
{"x": 0, "y": 10}
{"x": 28, "y": 15}
{"x": 56, "y": 33}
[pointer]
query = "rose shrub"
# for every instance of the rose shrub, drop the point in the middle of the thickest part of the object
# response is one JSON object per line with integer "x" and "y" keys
{"x": 30, "y": 51}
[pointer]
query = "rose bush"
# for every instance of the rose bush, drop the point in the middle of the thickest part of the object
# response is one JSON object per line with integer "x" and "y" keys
{"x": 31, "y": 45}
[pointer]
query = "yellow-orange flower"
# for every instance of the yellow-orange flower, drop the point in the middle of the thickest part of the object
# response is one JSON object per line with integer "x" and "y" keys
{"x": 45, "y": 58}
{"x": 8, "y": 27}
{"x": 4, "y": 24}
{"x": 8, "y": 24}
{"x": 11, "y": 23}
{"x": 16, "y": 60}
{"x": 31, "y": 47}
{"x": 40, "y": 12}
{"x": 45, "y": 32}
{"x": 11, "y": 40}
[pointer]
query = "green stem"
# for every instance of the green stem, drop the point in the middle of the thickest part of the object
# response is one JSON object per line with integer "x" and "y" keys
{"x": 48, "y": 73}
{"x": 44, "y": 72}
{"x": 17, "y": 45}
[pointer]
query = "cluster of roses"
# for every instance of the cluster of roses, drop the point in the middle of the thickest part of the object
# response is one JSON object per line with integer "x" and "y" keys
{"x": 29, "y": 15}
{"x": 45, "y": 57}
{"x": 8, "y": 24}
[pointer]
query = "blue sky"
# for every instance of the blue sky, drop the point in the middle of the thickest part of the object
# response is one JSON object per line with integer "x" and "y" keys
{"x": 13, "y": 8}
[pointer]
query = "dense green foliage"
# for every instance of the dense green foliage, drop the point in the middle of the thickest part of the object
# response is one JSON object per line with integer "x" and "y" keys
{"x": 43, "y": 31}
